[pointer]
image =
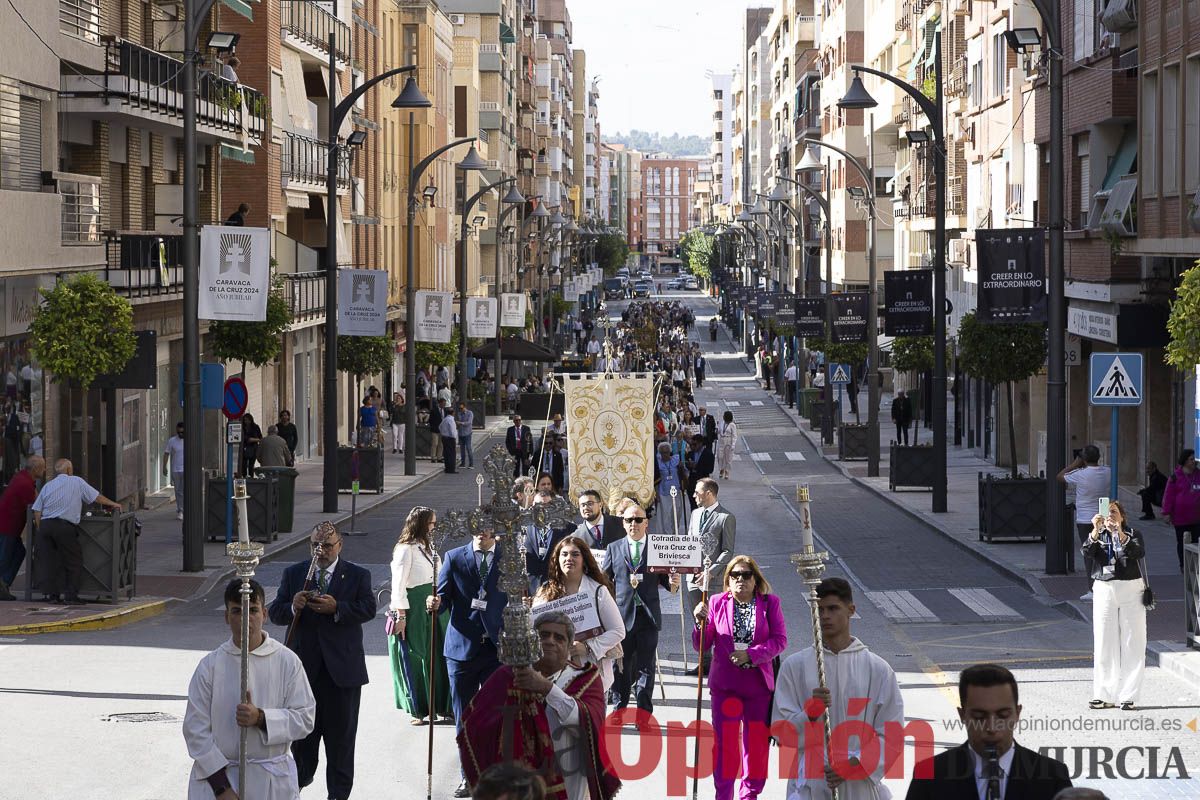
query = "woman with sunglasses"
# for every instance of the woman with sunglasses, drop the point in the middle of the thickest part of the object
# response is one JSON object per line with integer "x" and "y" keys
{"x": 1119, "y": 616}
{"x": 745, "y": 631}
{"x": 408, "y": 644}
{"x": 573, "y": 570}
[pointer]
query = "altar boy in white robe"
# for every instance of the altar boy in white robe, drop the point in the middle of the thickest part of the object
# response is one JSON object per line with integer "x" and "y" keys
{"x": 280, "y": 710}
{"x": 852, "y": 673}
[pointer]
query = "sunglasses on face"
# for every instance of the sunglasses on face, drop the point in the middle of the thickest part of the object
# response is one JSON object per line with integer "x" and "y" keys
{"x": 739, "y": 575}
{"x": 634, "y": 520}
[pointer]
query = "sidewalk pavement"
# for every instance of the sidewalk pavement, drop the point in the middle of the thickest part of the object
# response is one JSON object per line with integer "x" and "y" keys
{"x": 1024, "y": 561}
{"x": 160, "y": 579}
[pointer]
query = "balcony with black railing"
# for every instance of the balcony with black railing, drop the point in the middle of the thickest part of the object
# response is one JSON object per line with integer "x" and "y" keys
{"x": 144, "y": 263}
{"x": 305, "y": 294}
{"x": 147, "y": 85}
{"x": 310, "y": 25}
{"x": 305, "y": 162}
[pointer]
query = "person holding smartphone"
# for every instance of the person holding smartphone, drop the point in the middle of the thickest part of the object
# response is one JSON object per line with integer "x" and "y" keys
{"x": 1119, "y": 619}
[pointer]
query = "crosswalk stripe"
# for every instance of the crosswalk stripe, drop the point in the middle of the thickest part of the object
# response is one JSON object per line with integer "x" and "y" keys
{"x": 901, "y": 606}
{"x": 985, "y": 604}
{"x": 756, "y": 402}
{"x": 794, "y": 455}
{"x": 732, "y": 403}
{"x": 760, "y": 456}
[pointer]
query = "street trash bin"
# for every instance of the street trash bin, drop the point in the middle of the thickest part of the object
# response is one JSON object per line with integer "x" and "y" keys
{"x": 285, "y": 495}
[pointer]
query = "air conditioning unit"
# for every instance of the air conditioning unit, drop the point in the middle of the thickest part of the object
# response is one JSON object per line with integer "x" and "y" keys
{"x": 458, "y": 19}
{"x": 960, "y": 251}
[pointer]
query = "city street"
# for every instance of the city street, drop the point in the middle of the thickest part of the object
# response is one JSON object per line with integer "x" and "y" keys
{"x": 924, "y": 604}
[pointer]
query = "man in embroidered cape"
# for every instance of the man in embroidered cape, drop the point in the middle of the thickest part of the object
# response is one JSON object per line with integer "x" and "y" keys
{"x": 279, "y": 711}
{"x": 549, "y": 716}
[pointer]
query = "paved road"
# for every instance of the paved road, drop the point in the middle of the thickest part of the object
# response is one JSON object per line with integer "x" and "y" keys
{"x": 924, "y": 604}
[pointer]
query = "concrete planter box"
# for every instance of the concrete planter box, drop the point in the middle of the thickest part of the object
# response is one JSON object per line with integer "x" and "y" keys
{"x": 816, "y": 414}
{"x": 853, "y": 442}
{"x": 262, "y": 509}
{"x": 911, "y": 467}
{"x": 1012, "y": 509}
{"x": 370, "y": 468}
{"x": 109, "y": 544}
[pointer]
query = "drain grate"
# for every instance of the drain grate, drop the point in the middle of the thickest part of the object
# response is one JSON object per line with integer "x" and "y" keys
{"x": 142, "y": 716}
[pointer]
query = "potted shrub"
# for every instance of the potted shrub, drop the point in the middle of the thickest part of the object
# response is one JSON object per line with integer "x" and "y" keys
{"x": 913, "y": 354}
{"x": 1002, "y": 354}
{"x": 362, "y": 356}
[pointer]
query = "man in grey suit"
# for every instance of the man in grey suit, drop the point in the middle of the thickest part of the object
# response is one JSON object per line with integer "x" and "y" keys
{"x": 637, "y": 597}
{"x": 712, "y": 522}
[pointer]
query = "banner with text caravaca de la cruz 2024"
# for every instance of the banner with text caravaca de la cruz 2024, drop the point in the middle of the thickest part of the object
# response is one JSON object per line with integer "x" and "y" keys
{"x": 610, "y": 421}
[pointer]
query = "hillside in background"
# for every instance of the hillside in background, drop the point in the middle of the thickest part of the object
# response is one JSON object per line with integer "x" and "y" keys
{"x": 647, "y": 142}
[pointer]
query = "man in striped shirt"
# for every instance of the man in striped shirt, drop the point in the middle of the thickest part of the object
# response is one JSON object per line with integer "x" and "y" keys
{"x": 56, "y": 513}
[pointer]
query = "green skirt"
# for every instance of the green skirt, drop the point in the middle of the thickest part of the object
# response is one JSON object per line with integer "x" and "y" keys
{"x": 409, "y": 657}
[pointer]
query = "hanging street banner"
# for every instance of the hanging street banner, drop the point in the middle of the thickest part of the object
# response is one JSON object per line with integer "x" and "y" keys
{"x": 849, "y": 317}
{"x": 1012, "y": 275}
{"x": 571, "y": 291}
{"x": 766, "y": 306}
{"x": 482, "y": 315}
{"x": 785, "y": 310}
{"x": 512, "y": 310}
{"x": 362, "y": 302}
{"x": 235, "y": 273}
{"x": 810, "y": 317}
{"x": 908, "y": 302}
{"x": 433, "y": 317}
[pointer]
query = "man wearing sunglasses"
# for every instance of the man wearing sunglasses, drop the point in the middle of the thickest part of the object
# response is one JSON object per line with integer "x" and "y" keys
{"x": 325, "y": 615}
{"x": 637, "y": 597}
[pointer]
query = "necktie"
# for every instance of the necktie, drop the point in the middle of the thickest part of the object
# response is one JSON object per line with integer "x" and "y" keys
{"x": 322, "y": 582}
{"x": 994, "y": 773}
{"x": 544, "y": 540}
{"x": 704, "y": 517}
{"x": 596, "y": 534}
{"x": 483, "y": 566}
{"x": 637, "y": 554}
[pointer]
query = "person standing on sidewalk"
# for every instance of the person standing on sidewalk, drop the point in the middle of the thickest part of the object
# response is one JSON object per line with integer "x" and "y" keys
{"x": 464, "y": 418}
{"x": 1152, "y": 493}
{"x": 173, "y": 460}
{"x": 1181, "y": 501}
{"x": 287, "y": 430}
{"x": 396, "y": 413}
{"x": 56, "y": 513}
{"x": 1119, "y": 614}
{"x": 1091, "y": 482}
{"x": 273, "y": 451}
{"x": 902, "y": 412}
{"x": 448, "y": 431}
{"x": 790, "y": 375}
{"x": 18, "y": 496}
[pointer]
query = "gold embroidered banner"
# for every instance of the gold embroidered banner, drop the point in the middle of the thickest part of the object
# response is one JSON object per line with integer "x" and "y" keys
{"x": 610, "y": 422}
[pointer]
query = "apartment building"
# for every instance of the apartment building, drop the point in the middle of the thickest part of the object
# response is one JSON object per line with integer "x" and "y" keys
{"x": 668, "y": 186}
{"x": 721, "y": 148}
{"x": 702, "y": 208}
{"x": 593, "y": 208}
{"x": 92, "y": 182}
{"x": 749, "y": 81}
{"x": 620, "y": 181}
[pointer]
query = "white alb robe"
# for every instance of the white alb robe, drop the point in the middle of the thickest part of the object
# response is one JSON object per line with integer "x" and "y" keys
{"x": 280, "y": 688}
{"x": 855, "y": 672}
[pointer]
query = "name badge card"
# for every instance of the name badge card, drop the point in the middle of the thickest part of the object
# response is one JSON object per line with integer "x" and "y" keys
{"x": 478, "y": 604}
{"x": 581, "y": 608}
{"x": 683, "y": 553}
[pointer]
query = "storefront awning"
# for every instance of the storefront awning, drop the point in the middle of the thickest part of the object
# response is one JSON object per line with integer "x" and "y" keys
{"x": 506, "y": 34}
{"x": 237, "y": 154}
{"x": 240, "y": 6}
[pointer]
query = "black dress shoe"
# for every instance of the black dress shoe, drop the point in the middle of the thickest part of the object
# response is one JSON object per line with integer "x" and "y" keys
{"x": 696, "y": 671}
{"x": 463, "y": 789}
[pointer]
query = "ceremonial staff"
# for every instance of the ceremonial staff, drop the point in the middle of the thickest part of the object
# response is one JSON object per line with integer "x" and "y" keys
{"x": 436, "y": 537}
{"x": 708, "y": 541}
{"x": 245, "y": 555}
{"x": 810, "y": 563}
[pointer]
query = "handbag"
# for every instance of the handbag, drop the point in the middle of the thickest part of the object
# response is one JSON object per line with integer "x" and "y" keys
{"x": 1147, "y": 593}
{"x": 391, "y": 622}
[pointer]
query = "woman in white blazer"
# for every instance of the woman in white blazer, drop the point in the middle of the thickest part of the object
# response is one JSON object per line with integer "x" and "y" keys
{"x": 573, "y": 570}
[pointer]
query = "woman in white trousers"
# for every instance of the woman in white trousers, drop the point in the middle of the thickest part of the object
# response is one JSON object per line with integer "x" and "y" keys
{"x": 725, "y": 444}
{"x": 1119, "y": 616}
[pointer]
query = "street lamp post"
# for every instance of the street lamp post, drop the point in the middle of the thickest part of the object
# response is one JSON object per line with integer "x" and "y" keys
{"x": 512, "y": 200}
{"x": 471, "y": 161}
{"x": 858, "y": 97}
{"x": 462, "y": 283}
{"x": 868, "y": 175}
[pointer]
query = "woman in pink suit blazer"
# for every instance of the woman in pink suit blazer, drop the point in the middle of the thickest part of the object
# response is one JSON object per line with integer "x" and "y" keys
{"x": 745, "y": 631}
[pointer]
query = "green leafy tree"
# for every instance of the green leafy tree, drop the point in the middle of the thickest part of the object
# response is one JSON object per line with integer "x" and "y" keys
{"x": 1183, "y": 350}
{"x": 82, "y": 329}
{"x": 611, "y": 252}
{"x": 649, "y": 142}
{"x": 1002, "y": 354}
{"x": 364, "y": 355}
{"x": 912, "y": 353}
{"x": 697, "y": 248}
{"x": 254, "y": 343}
{"x": 435, "y": 354}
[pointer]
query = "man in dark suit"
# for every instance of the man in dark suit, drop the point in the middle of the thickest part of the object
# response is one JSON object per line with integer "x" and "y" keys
{"x": 519, "y": 443}
{"x": 637, "y": 597}
{"x": 708, "y": 426}
{"x": 700, "y": 462}
{"x": 990, "y": 765}
{"x": 598, "y": 529}
{"x": 699, "y": 364}
{"x": 539, "y": 544}
{"x": 902, "y": 412}
{"x": 326, "y": 617}
{"x": 468, "y": 590}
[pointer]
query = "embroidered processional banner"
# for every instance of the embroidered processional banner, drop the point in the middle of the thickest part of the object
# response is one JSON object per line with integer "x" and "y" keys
{"x": 610, "y": 422}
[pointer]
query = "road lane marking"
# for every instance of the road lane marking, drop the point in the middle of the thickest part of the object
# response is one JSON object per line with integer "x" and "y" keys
{"x": 732, "y": 403}
{"x": 760, "y": 456}
{"x": 985, "y": 604}
{"x": 794, "y": 455}
{"x": 756, "y": 402}
{"x": 902, "y": 606}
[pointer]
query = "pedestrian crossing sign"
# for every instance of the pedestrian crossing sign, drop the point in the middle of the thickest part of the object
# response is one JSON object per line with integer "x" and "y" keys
{"x": 840, "y": 373}
{"x": 1116, "y": 379}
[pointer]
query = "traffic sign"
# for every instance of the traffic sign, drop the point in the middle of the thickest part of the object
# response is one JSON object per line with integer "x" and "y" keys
{"x": 236, "y": 396}
{"x": 1116, "y": 379}
{"x": 839, "y": 373}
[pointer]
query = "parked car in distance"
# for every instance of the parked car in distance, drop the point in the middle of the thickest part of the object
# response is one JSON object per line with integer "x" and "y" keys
{"x": 690, "y": 283}
{"x": 675, "y": 283}
{"x": 614, "y": 289}
{"x": 642, "y": 289}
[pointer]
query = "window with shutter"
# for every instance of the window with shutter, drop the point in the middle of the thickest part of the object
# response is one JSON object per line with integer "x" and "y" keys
{"x": 30, "y": 174}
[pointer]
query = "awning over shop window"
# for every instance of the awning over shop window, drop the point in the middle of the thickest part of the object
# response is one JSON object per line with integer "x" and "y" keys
{"x": 240, "y": 6}
{"x": 237, "y": 154}
{"x": 506, "y": 34}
